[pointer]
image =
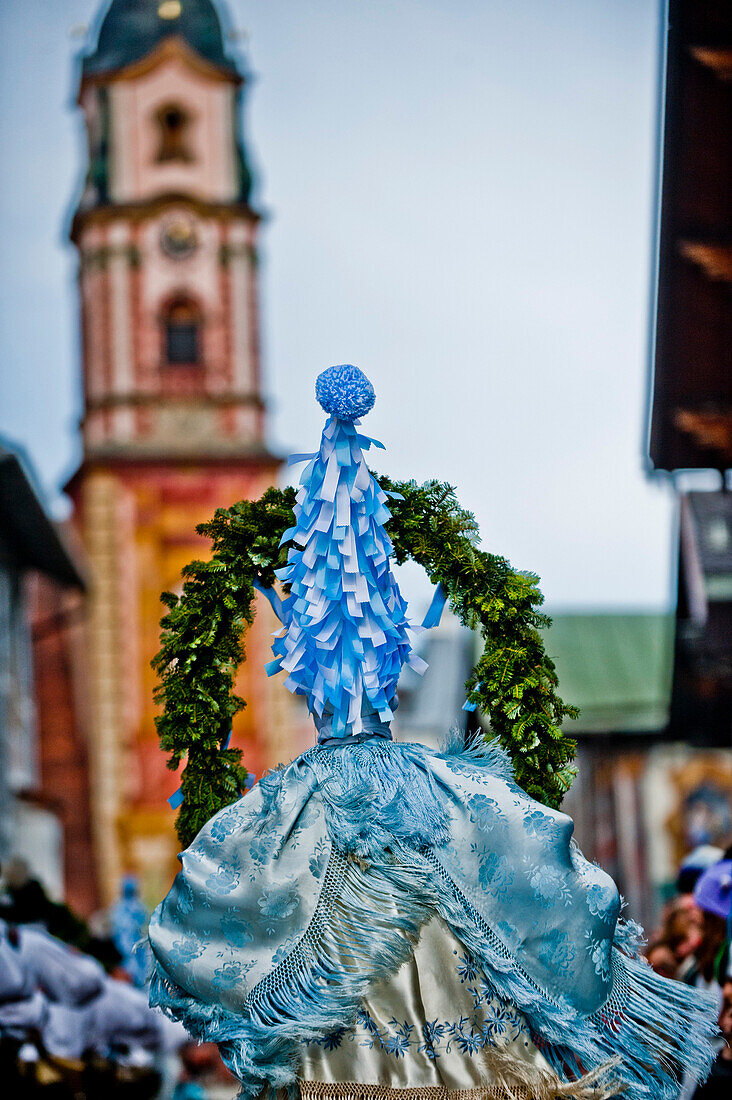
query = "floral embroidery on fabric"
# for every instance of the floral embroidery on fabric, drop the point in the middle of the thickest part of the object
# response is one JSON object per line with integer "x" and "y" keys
{"x": 186, "y": 949}
{"x": 556, "y": 952}
{"x": 601, "y": 894}
{"x": 599, "y": 900}
{"x": 226, "y": 823}
{"x": 503, "y": 1020}
{"x": 494, "y": 871}
{"x": 265, "y": 846}
{"x": 484, "y": 811}
{"x": 279, "y": 900}
{"x": 467, "y": 969}
{"x": 236, "y": 931}
{"x": 224, "y": 879}
{"x": 433, "y": 1033}
{"x": 285, "y": 948}
{"x": 466, "y": 770}
{"x": 230, "y": 974}
{"x": 493, "y": 1019}
{"x": 600, "y": 954}
{"x": 397, "y": 1042}
{"x": 550, "y": 886}
{"x": 319, "y": 859}
{"x": 541, "y": 825}
{"x": 332, "y": 1041}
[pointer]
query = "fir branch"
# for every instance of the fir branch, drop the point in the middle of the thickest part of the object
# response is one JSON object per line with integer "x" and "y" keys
{"x": 202, "y": 643}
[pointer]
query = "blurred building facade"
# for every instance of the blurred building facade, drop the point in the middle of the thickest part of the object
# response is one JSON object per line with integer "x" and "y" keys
{"x": 655, "y": 692}
{"x": 681, "y": 785}
{"x": 174, "y": 418}
{"x": 641, "y": 799}
{"x": 691, "y": 422}
{"x": 44, "y": 803}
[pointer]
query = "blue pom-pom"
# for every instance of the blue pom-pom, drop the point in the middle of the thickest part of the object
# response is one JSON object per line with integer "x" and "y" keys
{"x": 345, "y": 392}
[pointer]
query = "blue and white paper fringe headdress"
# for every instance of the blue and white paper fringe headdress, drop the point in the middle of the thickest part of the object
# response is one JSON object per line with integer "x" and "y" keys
{"x": 345, "y": 639}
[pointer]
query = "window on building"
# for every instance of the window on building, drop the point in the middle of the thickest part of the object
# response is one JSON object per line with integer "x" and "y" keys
{"x": 182, "y": 331}
{"x": 174, "y": 126}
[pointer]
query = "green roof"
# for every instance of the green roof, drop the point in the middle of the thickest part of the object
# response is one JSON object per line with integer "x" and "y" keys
{"x": 615, "y": 667}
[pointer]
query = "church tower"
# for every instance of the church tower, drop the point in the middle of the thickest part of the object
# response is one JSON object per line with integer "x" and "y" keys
{"x": 174, "y": 420}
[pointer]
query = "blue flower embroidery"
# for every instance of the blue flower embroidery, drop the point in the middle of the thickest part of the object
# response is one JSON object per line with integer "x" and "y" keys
{"x": 432, "y": 1033}
{"x": 397, "y": 1042}
{"x": 540, "y": 824}
{"x": 262, "y": 848}
{"x": 285, "y": 948}
{"x": 484, "y": 811}
{"x": 332, "y": 1041}
{"x": 318, "y": 859}
{"x": 225, "y": 823}
{"x": 462, "y": 769}
{"x": 230, "y": 974}
{"x": 501, "y": 1020}
{"x": 600, "y": 954}
{"x": 235, "y": 931}
{"x": 497, "y": 1020}
{"x": 224, "y": 879}
{"x": 556, "y": 952}
{"x": 372, "y": 1032}
{"x": 549, "y": 886}
{"x": 494, "y": 872}
{"x": 601, "y": 900}
{"x": 279, "y": 901}
{"x": 467, "y": 969}
{"x": 185, "y": 950}
{"x": 467, "y": 1038}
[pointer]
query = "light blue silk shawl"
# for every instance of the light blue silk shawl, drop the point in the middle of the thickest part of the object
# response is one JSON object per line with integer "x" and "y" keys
{"x": 291, "y": 902}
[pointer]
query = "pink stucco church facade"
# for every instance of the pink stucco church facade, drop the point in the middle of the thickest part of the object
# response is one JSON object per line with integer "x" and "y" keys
{"x": 174, "y": 417}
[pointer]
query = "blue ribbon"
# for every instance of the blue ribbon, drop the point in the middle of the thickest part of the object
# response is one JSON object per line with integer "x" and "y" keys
{"x": 176, "y": 799}
{"x": 434, "y": 611}
{"x": 467, "y": 705}
{"x": 275, "y": 602}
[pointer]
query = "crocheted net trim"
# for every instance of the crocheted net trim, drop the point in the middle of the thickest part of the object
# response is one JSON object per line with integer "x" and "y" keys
{"x": 609, "y": 1015}
{"x": 610, "y": 1012}
{"x": 305, "y": 950}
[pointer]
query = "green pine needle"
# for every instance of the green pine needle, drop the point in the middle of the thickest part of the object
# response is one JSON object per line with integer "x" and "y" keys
{"x": 202, "y": 642}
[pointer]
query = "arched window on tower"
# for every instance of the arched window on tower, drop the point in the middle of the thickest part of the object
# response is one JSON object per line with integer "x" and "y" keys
{"x": 174, "y": 133}
{"x": 182, "y": 330}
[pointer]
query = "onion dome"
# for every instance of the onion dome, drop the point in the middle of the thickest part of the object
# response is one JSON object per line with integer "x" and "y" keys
{"x": 131, "y": 29}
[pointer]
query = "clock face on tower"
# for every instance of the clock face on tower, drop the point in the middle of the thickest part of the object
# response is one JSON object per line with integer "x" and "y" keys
{"x": 178, "y": 237}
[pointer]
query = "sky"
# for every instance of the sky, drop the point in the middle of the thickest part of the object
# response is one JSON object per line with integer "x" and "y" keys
{"x": 461, "y": 200}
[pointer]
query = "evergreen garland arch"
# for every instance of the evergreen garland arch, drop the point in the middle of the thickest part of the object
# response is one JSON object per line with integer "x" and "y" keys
{"x": 202, "y": 643}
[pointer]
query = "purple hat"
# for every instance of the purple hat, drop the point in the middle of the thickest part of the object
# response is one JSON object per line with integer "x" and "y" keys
{"x": 713, "y": 891}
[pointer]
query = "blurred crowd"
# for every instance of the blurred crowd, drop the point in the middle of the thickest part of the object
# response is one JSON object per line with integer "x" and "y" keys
{"x": 74, "y": 1017}
{"x": 692, "y": 945}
